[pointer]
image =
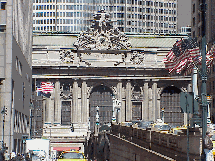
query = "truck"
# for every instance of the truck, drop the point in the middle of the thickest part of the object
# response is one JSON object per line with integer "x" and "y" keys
{"x": 38, "y": 149}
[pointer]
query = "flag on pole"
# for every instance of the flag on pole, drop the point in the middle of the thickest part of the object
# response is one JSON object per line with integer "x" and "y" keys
{"x": 186, "y": 54}
{"x": 210, "y": 55}
{"x": 47, "y": 87}
{"x": 172, "y": 56}
{"x": 183, "y": 53}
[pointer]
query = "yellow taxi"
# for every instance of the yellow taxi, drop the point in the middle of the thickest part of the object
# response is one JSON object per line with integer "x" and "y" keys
{"x": 213, "y": 140}
{"x": 72, "y": 156}
{"x": 162, "y": 127}
{"x": 177, "y": 130}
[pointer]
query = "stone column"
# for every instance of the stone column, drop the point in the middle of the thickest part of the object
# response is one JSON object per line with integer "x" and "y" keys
{"x": 128, "y": 101}
{"x": 79, "y": 108}
{"x": 123, "y": 111}
{"x": 84, "y": 116}
{"x": 150, "y": 107}
{"x": 88, "y": 109}
{"x": 44, "y": 110}
{"x": 119, "y": 94}
{"x": 158, "y": 102}
{"x": 75, "y": 102}
{"x": 57, "y": 103}
{"x": 50, "y": 110}
{"x": 155, "y": 110}
{"x": 146, "y": 102}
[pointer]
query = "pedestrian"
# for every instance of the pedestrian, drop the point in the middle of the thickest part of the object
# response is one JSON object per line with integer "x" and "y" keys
{"x": 12, "y": 155}
{"x": 7, "y": 156}
{"x": 1, "y": 155}
{"x": 208, "y": 144}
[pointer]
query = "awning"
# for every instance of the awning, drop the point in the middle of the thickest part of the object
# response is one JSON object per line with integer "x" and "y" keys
{"x": 65, "y": 148}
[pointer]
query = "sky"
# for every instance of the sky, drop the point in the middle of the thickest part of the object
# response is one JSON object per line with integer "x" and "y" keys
{"x": 184, "y": 13}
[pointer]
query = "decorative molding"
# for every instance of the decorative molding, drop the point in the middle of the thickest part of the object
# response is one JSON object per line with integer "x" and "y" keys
{"x": 137, "y": 57}
{"x": 102, "y": 35}
{"x": 114, "y": 89}
{"x": 66, "y": 56}
{"x": 65, "y": 94}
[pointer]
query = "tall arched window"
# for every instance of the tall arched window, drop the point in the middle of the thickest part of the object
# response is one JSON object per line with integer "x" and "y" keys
{"x": 170, "y": 102}
{"x": 101, "y": 96}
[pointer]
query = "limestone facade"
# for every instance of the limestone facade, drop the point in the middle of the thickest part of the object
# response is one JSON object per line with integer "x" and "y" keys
{"x": 84, "y": 79}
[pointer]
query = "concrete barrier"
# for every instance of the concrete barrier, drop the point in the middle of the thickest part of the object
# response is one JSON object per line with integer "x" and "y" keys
{"x": 121, "y": 149}
{"x": 174, "y": 146}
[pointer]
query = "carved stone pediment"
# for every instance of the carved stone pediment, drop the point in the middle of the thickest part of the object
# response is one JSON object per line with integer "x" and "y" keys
{"x": 137, "y": 57}
{"x": 102, "y": 35}
{"x": 66, "y": 56}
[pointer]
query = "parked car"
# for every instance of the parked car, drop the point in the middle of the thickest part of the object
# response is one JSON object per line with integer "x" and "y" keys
{"x": 176, "y": 130}
{"x": 213, "y": 140}
{"x": 144, "y": 124}
{"x": 126, "y": 123}
{"x": 163, "y": 127}
{"x": 72, "y": 156}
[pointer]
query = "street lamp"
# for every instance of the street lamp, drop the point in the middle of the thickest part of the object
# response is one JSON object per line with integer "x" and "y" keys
{"x": 203, "y": 75}
{"x": 3, "y": 112}
{"x": 31, "y": 109}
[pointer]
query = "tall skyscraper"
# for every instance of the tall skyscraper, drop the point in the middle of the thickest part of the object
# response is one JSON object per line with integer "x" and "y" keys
{"x": 210, "y": 41}
{"x": 130, "y": 16}
{"x": 15, "y": 72}
{"x": 210, "y": 21}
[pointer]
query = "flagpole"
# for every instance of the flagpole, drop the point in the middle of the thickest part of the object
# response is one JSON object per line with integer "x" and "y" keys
{"x": 195, "y": 96}
{"x": 203, "y": 78}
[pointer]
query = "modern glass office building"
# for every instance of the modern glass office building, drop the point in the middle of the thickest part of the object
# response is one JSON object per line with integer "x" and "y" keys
{"x": 130, "y": 16}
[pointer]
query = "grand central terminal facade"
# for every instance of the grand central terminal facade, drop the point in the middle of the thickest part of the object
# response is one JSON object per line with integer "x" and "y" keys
{"x": 122, "y": 75}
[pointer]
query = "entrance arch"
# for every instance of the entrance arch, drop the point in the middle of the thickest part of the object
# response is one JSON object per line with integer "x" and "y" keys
{"x": 101, "y": 96}
{"x": 170, "y": 101}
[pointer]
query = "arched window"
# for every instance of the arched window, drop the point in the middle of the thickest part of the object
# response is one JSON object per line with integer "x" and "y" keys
{"x": 170, "y": 101}
{"x": 101, "y": 96}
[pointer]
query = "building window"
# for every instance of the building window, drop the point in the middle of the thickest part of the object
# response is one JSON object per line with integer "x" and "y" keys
{"x": 148, "y": 3}
{"x": 17, "y": 63}
{"x": 66, "y": 113}
{"x": 194, "y": 8}
{"x": 3, "y": 5}
{"x": 194, "y": 34}
{"x": 23, "y": 94}
{"x": 194, "y": 21}
{"x": 20, "y": 68}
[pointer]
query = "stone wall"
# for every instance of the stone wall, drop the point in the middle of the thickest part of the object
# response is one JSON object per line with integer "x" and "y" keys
{"x": 174, "y": 146}
{"x": 121, "y": 149}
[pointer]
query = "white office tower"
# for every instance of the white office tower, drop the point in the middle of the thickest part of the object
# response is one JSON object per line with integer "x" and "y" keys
{"x": 130, "y": 16}
{"x": 15, "y": 73}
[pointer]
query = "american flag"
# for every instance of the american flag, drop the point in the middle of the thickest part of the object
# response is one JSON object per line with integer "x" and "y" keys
{"x": 183, "y": 53}
{"x": 45, "y": 87}
{"x": 210, "y": 55}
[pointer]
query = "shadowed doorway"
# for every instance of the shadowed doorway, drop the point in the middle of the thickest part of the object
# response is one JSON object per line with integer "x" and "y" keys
{"x": 101, "y": 96}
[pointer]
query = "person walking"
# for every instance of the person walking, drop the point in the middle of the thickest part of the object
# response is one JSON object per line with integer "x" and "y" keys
{"x": 208, "y": 147}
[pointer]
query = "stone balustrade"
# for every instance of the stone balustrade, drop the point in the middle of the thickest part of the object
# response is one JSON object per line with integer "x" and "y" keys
{"x": 172, "y": 145}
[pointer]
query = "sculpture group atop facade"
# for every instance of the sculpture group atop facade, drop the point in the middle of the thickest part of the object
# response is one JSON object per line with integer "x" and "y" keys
{"x": 102, "y": 35}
